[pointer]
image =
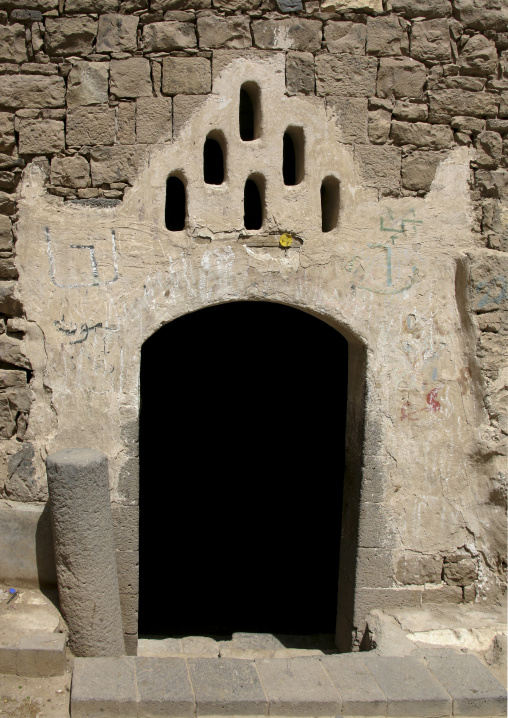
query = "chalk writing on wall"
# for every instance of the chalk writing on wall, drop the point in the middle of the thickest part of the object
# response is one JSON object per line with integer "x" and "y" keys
{"x": 92, "y": 270}
{"x": 491, "y": 291}
{"x": 84, "y": 330}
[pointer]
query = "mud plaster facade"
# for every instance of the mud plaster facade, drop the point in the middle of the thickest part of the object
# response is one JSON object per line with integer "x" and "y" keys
{"x": 406, "y": 106}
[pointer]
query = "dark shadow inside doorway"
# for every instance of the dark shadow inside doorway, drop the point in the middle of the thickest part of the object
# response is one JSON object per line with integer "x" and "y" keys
{"x": 242, "y": 426}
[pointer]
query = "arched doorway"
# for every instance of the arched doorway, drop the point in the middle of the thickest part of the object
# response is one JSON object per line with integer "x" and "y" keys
{"x": 242, "y": 430}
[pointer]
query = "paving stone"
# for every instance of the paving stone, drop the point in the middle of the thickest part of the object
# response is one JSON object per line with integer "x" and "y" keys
{"x": 231, "y": 32}
{"x": 153, "y": 119}
{"x": 418, "y": 172}
{"x": 446, "y": 104}
{"x": 159, "y": 648}
{"x": 422, "y": 134}
{"x": 346, "y": 75}
{"x": 12, "y": 43}
{"x": 380, "y": 166}
{"x": 31, "y": 91}
{"x": 430, "y": 40}
{"x": 90, "y": 126}
{"x": 472, "y": 686}
{"x": 360, "y": 693}
{"x": 87, "y": 83}
{"x": 164, "y": 687}
{"x": 386, "y": 36}
{"x": 410, "y": 688}
{"x": 69, "y": 36}
{"x": 351, "y": 116}
{"x": 70, "y": 172}
{"x": 400, "y": 77}
{"x": 168, "y": 36}
{"x": 103, "y": 686}
{"x": 188, "y": 75}
{"x": 300, "y": 72}
{"x": 131, "y": 78}
{"x": 117, "y": 33}
{"x": 41, "y": 654}
{"x": 347, "y": 37}
{"x": 227, "y": 686}
{"x": 298, "y": 687}
{"x": 41, "y": 137}
{"x": 422, "y": 8}
{"x": 288, "y": 34}
{"x": 199, "y": 646}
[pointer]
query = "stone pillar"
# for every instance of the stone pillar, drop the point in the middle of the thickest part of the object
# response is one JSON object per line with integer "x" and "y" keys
{"x": 84, "y": 550}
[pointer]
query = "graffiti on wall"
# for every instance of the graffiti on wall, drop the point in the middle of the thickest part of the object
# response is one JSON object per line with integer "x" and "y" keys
{"x": 82, "y": 268}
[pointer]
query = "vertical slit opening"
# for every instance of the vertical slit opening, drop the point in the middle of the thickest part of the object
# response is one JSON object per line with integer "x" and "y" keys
{"x": 249, "y": 112}
{"x": 176, "y": 204}
{"x": 293, "y": 156}
{"x": 253, "y": 200}
{"x": 213, "y": 159}
{"x": 330, "y": 201}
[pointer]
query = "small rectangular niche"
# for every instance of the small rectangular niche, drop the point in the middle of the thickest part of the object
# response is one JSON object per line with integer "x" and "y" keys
{"x": 214, "y": 158}
{"x": 176, "y": 203}
{"x": 249, "y": 113}
{"x": 330, "y": 203}
{"x": 254, "y": 202}
{"x": 293, "y": 155}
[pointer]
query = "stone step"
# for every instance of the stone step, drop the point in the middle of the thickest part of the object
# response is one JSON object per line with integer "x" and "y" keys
{"x": 349, "y": 684}
{"x": 38, "y": 654}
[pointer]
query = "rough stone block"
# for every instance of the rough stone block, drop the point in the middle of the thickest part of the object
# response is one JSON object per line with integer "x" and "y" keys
{"x": 8, "y": 270}
{"x": 460, "y": 570}
{"x": 349, "y": 37}
{"x": 410, "y": 688}
{"x": 125, "y": 527}
{"x": 126, "y": 123}
{"x": 9, "y": 303}
{"x": 298, "y": 687}
{"x": 31, "y": 91}
{"x": 386, "y": 36}
{"x": 12, "y": 43}
{"x": 69, "y": 36}
{"x": 7, "y": 203}
{"x": 489, "y": 15}
{"x": 227, "y": 686}
{"x": 87, "y": 83}
{"x": 360, "y": 693}
{"x": 367, "y": 599}
{"x": 168, "y": 36}
{"x": 416, "y": 568}
{"x": 230, "y": 32}
{"x": 472, "y": 686}
{"x": 153, "y": 119}
{"x": 375, "y": 566}
{"x": 89, "y": 6}
{"x": 489, "y": 149}
{"x": 41, "y": 137}
{"x": 379, "y": 126}
{"x": 422, "y": 8}
{"x": 442, "y": 594}
{"x": 70, "y": 172}
{"x": 421, "y": 134}
{"x": 351, "y": 114}
{"x": 5, "y": 236}
{"x": 368, "y": 6}
{"x": 7, "y": 138}
{"x": 164, "y": 687}
{"x": 41, "y": 654}
{"x": 346, "y": 75}
{"x": 127, "y": 563}
{"x": 430, "y": 41}
{"x": 103, "y": 686}
{"x": 400, "y": 77}
{"x": 477, "y": 56}
{"x": 184, "y": 106}
{"x": 131, "y": 78}
{"x": 410, "y": 111}
{"x": 90, "y": 126}
{"x": 129, "y": 607}
{"x": 189, "y": 75}
{"x": 300, "y": 72}
{"x": 117, "y": 33}
{"x": 446, "y": 104}
{"x": 288, "y": 34}
{"x": 380, "y": 166}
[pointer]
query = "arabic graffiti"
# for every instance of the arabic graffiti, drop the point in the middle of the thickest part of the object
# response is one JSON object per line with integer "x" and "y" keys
{"x": 84, "y": 330}
{"x": 95, "y": 280}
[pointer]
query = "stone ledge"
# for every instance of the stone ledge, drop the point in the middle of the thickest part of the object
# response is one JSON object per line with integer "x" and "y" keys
{"x": 347, "y": 684}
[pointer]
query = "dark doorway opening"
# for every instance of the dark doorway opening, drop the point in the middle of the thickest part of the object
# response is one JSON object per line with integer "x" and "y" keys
{"x": 242, "y": 431}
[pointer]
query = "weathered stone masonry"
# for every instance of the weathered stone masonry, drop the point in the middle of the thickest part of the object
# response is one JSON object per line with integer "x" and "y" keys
{"x": 92, "y": 94}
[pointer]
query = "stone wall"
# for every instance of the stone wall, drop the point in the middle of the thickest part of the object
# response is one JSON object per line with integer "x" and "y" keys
{"x": 89, "y": 90}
